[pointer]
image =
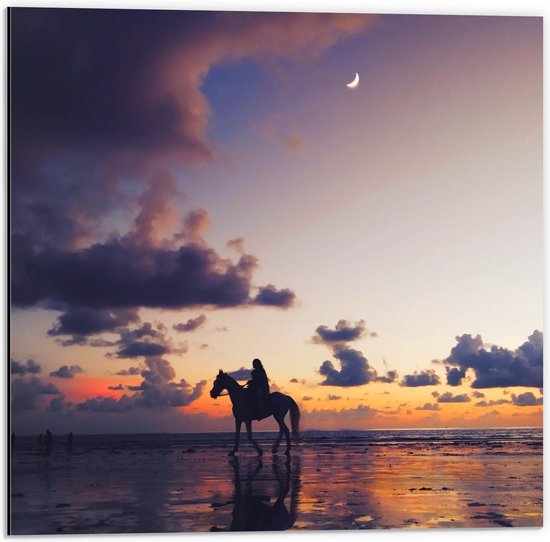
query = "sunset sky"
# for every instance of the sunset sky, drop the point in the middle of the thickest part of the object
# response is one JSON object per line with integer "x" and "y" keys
{"x": 192, "y": 190}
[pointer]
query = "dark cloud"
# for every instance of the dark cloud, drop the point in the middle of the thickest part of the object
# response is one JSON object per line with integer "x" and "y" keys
{"x": 67, "y": 372}
{"x": 343, "y": 332}
{"x": 29, "y": 367}
{"x": 140, "y": 348}
{"x": 495, "y": 366}
{"x": 118, "y": 387}
{"x": 354, "y": 369}
{"x": 58, "y": 404}
{"x": 118, "y": 275}
{"x": 448, "y": 397}
{"x": 334, "y": 397}
{"x": 130, "y": 371}
{"x": 388, "y": 378}
{"x": 492, "y": 402}
{"x": 455, "y": 376}
{"x": 478, "y": 394}
{"x": 97, "y": 136}
{"x": 297, "y": 381}
{"x": 26, "y": 392}
{"x": 157, "y": 391}
{"x": 82, "y": 321}
{"x": 424, "y": 378}
{"x": 191, "y": 325}
{"x": 240, "y": 374}
{"x": 269, "y": 295}
{"x": 354, "y": 366}
{"x": 526, "y": 399}
{"x": 428, "y": 406}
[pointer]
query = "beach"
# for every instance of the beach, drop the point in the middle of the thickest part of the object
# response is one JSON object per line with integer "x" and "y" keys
{"x": 331, "y": 480}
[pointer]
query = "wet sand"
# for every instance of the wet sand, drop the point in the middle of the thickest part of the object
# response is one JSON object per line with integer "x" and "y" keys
{"x": 324, "y": 485}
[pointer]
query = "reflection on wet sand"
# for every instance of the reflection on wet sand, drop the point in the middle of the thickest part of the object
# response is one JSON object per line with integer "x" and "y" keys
{"x": 252, "y": 508}
{"x": 151, "y": 484}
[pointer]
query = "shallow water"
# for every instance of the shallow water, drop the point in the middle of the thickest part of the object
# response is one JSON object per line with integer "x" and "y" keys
{"x": 333, "y": 480}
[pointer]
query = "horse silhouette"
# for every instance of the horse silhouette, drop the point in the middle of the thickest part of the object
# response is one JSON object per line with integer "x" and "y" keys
{"x": 253, "y": 511}
{"x": 245, "y": 410}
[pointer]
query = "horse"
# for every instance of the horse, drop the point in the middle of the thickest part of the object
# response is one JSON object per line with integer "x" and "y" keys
{"x": 245, "y": 411}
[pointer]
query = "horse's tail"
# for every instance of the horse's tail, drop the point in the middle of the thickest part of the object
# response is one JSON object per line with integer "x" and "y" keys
{"x": 294, "y": 419}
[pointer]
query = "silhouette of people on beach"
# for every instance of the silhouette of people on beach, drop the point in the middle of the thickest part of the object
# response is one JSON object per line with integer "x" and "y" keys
{"x": 252, "y": 510}
{"x": 48, "y": 443}
{"x": 70, "y": 443}
{"x": 259, "y": 387}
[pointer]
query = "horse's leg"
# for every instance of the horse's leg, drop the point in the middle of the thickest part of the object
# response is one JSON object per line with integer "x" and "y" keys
{"x": 237, "y": 435}
{"x": 281, "y": 421}
{"x": 249, "y": 433}
{"x": 279, "y": 437}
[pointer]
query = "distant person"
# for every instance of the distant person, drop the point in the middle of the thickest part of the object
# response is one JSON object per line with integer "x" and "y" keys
{"x": 259, "y": 386}
{"x": 48, "y": 443}
{"x": 70, "y": 443}
{"x": 40, "y": 443}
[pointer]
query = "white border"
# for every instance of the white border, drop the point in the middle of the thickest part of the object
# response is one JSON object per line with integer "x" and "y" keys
{"x": 454, "y": 7}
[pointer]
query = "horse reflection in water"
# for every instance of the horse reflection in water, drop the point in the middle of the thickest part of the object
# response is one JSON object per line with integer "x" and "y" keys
{"x": 253, "y": 509}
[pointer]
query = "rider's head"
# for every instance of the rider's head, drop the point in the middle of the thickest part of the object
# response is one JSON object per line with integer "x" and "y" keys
{"x": 256, "y": 363}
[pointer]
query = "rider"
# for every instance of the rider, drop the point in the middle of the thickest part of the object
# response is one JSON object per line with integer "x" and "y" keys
{"x": 259, "y": 386}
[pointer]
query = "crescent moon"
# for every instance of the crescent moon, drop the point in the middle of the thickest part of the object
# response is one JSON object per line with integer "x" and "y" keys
{"x": 355, "y": 82}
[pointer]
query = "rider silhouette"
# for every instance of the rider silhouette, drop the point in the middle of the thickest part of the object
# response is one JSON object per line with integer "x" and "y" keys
{"x": 259, "y": 386}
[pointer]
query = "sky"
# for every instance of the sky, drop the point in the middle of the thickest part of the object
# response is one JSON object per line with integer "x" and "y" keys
{"x": 192, "y": 190}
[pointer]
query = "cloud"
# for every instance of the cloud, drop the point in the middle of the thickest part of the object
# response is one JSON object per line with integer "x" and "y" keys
{"x": 191, "y": 325}
{"x": 29, "y": 367}
{"x": 478, "y": 394}
{"x": 345, "y": 417}
{"x": 526, "y": 399}
{"x": 334, "y": 397}
{"x": 354, "y": 366}
{"x": 118, "y": 387}
{"x": 130, "y": 371}
{"x": 157, "y": 391}
{"x": 271, "y": 296}
{"x": 495, "y": 366}
{"x": 240, "y": 374}
{"x": 236, "y": 244}
{"x": 58, "y": 404}
{"x": 141, "y": 348}
{"x": 67, "y": 372}
{"x": 343, "y": 332}
{"x": 354, "y": 369}
{"x": 119, "y": 274}
{"x": 448, "y": 397}
{"x": 298, "y": 381}
{"x": 424, "y": 378}
{"x": 152, "y": 110}
{"x": 428, "y": 406}
{"x": 82, "y": 321}
{"x": 492, "y": 402}
{"x": 307, "y": 398}
{"x": 455, "y": 376}
{"x": 388, "y": 378}
{"x": 26, "y": 392}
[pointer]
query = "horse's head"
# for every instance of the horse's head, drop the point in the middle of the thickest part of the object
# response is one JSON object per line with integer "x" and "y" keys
{"x": 219, "y": 384}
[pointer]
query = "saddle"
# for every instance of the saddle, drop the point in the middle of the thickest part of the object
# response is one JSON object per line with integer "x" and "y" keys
{"x": 262, "y": 409}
